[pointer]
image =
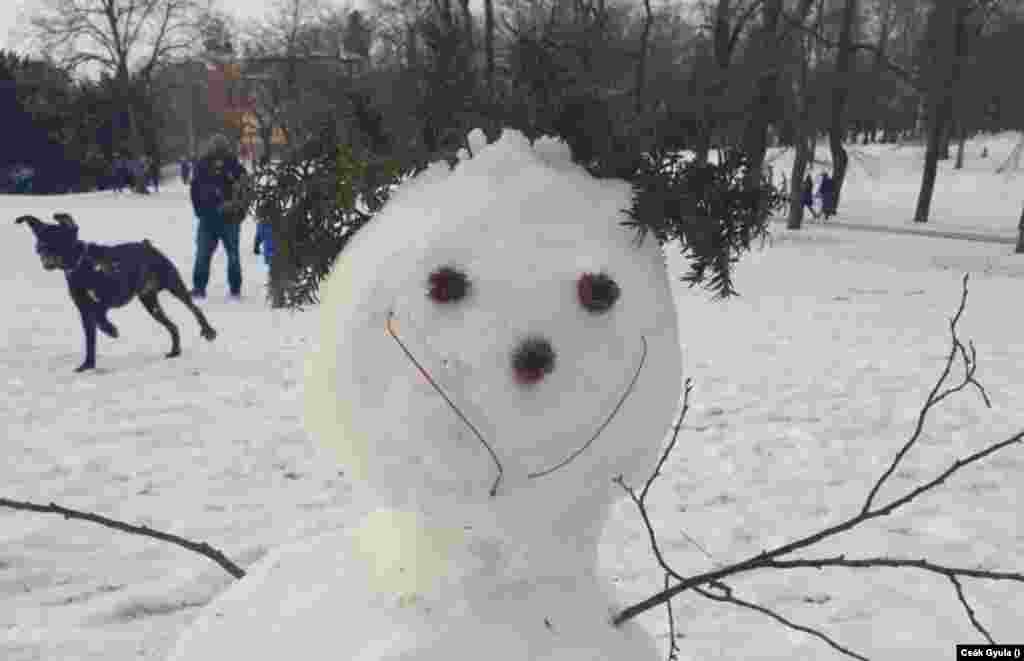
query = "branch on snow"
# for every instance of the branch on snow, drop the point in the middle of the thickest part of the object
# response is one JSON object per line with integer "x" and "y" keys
{"x": 771, "y": 559}
{"x": 201, "y": 548}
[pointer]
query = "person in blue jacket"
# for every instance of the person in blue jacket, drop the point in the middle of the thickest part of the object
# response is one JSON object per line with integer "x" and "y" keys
{"x": 264, "y": 239}
{"x": 807, "y": 195}
{"x": 827, "y": 191}
{"x": 213, "y": 183}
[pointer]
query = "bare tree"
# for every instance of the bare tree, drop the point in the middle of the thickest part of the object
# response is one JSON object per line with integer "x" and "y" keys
{"x": 489, "y": 47}
{"x": 766, "y": 48}
{"x": 948, "y": 28}
{"x": 1020, "y": 234}
{"x": 726, "y": 22}
{"x": 803, "y": 100}
{"x": 126, "y": 39}
{"x": 840, "y": 95}
{"x": 641, "y": 61}
{"x": 294, "y": 65}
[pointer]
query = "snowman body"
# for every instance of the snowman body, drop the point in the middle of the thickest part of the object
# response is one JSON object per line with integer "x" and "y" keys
{"x": 496, "y": 351}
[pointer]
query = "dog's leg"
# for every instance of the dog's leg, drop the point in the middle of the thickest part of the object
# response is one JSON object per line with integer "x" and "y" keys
{"x": 152, "y": 306}
{"x": 104, "y": 325}
{"x": 88, "y": 314}
{"x": 177, "y": 288}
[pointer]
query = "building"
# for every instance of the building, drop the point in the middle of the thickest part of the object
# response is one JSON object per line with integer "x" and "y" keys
{"x": 231, "y": 84}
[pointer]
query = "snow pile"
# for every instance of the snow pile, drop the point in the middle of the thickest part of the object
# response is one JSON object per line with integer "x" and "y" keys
{"x": 496, "y": 349}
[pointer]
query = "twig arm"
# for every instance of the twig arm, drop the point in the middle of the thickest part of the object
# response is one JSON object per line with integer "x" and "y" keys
{"x": 201, "y": 548}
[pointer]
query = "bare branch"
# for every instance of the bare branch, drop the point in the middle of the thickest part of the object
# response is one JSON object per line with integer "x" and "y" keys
{"x": 907, "y": 76}
{"x": 897, "y": 563}
{"x": 970, "y": 611}
{"x": 729, "y": 598}
{"x": 769, "y": 559}
{"x": 201, "y": 548}
{"x": 673, "y": 646}
{"x": 934, "y": 397}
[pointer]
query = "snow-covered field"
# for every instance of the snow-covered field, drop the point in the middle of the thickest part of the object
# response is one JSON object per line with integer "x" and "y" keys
{"x": 805, "y": 387}
{"x": 884, "y": 180}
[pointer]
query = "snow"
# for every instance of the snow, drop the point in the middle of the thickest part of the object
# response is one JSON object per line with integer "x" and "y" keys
{"x": 805, "y": 387}
{"x": 883, "y": 181}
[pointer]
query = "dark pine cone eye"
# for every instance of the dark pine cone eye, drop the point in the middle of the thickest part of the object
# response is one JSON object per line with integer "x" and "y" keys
{"x": 447, "y": 285}
{"x": 597, "y": 292}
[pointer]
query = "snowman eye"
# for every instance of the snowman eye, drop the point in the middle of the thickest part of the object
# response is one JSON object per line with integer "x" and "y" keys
{"x": 597, "y": 292}
{"x": 447, "y": 285}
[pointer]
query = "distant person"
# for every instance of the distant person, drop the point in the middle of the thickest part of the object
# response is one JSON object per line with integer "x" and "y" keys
{"x": 215, "y": 179}
{"x": 153, "y": 172}
{"x": 118, "y": 174}
{"x": 827, "y": 191}
{"x": 138, "y": 175}
{"x": 807, "y": 195}
{"x": 264, "y": 239}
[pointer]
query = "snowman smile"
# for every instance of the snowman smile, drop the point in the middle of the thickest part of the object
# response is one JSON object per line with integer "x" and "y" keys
{"x": 389, "y": 324}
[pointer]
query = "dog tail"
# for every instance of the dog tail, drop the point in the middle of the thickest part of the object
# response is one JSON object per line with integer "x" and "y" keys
{"x": 156, "y": 251}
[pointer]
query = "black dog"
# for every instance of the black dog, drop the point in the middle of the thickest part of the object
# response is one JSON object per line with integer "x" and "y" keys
{"x": 104, "y": 277}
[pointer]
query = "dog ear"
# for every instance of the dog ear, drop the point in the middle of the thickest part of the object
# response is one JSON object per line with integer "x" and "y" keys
{"x": 32, "y": 221}
{"x": 64, "y": 219}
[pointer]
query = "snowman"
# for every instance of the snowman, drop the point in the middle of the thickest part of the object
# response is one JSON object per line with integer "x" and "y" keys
{"x": 496, "y": 348}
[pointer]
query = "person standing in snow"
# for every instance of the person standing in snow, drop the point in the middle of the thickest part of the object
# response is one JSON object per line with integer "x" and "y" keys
{"x": 153, "y": 171}
{"x": 138, "y": 169}
{"x": 120, "y": 174}
{"x": 216, "y": 175}
{"x": 807, "y": 195}
{"x": 827, "y": 191}
{"x": 264, "y": 239}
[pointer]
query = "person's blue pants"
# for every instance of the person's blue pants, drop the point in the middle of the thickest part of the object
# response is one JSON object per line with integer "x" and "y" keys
{"x": 265, "y": 238}
{"x": 212, "y": 229}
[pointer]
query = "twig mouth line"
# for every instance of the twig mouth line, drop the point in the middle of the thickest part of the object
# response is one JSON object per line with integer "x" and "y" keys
{"x": 476, "y": 432}
{"x": 608, "y": 420}
{"x": 497, "y": 462}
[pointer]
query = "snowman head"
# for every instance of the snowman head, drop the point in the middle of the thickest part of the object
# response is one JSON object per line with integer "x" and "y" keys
{"x": 495, "y": 337}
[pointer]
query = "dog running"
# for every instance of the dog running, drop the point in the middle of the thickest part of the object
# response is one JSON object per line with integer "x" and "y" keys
{"x": 104, "y": 277}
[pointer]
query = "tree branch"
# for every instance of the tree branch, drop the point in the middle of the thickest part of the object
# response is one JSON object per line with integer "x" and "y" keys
{"x": 905, "y": 75}
{"x": 934, "y": 397}
{"x": 201, "y": 548}
{"x": 729, "y": 598}
{"x": 770, "y": 559}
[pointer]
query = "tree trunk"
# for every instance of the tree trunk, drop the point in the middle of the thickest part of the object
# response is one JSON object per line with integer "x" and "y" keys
{"x": 755, "y": 135}
{"x": 944, "y": 138}
{"x": 804, "y": 134}
{"x": 931, "y": 167}
{"x": 641, "y": 63}
{"x": 467, "y": 20}
{"x": 804, "y": 155}
{"x": 1020, "y": 234}
{"x": 840, "y": 95}
{"x": 952, "y": 26}
{"x": 961, "y": 142}
{"x": 489, "y": 47}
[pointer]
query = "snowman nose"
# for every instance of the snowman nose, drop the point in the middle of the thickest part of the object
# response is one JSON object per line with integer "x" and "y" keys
{"x": 532, "y": 360}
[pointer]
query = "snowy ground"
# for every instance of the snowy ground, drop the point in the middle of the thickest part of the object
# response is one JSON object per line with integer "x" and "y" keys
{"x": 884, "y": 181}
{"x": 805, "y": 387}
